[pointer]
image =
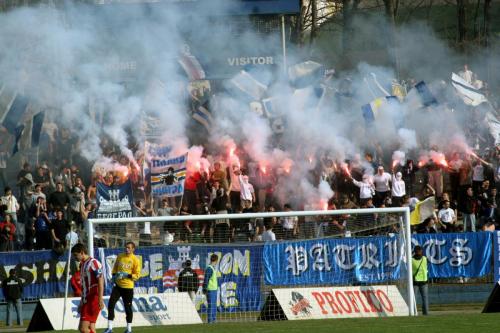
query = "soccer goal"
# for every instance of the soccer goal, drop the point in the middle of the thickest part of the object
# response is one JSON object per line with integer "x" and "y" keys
{"x": 323, "y": 264}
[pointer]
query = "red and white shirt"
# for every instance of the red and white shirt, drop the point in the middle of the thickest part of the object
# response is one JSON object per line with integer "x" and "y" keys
{"x": 90, "y": 270}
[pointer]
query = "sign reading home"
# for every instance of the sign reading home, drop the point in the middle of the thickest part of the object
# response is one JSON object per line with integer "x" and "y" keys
{"x": 341, "y": 302}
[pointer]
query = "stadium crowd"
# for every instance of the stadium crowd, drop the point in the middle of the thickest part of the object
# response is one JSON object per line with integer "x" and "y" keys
{"x": 48, "y": 204}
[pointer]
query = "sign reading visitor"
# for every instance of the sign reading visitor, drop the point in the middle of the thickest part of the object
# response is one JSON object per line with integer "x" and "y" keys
{"x": 115, "y": 201}
{"x": 341, "y": 302}
{"x": 148, "y": 310}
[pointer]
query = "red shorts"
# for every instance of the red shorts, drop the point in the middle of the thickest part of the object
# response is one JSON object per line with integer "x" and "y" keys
{"x": 90, "y": 310}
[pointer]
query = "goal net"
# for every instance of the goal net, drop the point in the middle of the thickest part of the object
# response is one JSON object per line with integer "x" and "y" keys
{"x": 340, "y": 263}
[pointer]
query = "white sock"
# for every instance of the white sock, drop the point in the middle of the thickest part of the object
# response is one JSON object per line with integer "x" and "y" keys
{"x": 129, "y": 327}
{"x": 110, "y": 324}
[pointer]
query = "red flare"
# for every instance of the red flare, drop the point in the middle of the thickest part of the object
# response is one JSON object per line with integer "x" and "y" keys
{"x": 231, "y": 151}
{"x": 325, "y": 205}
{"x": 444, "y": 163}
{"x": 263, "y": 168}
{"x": 346, "y": 170}
{"x": 310, "y": 160}
{"x": 198, "y": 165}
{"x": 394, "y": 163}
{"x": 287, "y": 169}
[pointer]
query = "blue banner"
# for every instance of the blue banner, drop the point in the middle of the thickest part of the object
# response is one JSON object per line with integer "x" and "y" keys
{"x": 456, "y": 255}
{"x": 374, "y": 259}
{"x": 239, "y": 270}
{"x": 114, "y": 201}
{"x": 332, "y": 261}
{"x": 43, "y": 272}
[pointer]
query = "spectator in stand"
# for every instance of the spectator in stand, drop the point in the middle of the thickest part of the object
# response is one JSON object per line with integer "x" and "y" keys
{"x": 483, "y": 193}
{"x": 42, "y": 226}
{"x": 247, "y": 192}
{"x": 145, "y": 227}
{"x": 398, "y": 189}
{"x": 435, "y": 174}
{"x": 219, "y": 206}
{"x": 454, "y": 172}
{"x": 186, "y": 227}
{"x": 219, "y": 175}
{"x": 10, "y": 201}
{"x": 477, "y": 176}
{"x": 268, "y": 235}
{"x": 77, "y": 196}
{"x": 42, "y": 178}
{"x": 289, "y": 224}
{"x": 428, "y": 226}
{"x": 263, "y": 184}
{"x": 464, "y": 177}
{"x": 59, "y": 229}
{"x": 381, "y": 180}
{"x": 7, "y": 234}
{"x": 59, "y": 199}
{"x": 190, "y": 198}
{"x": 447, "y": 218}
{"x": 488, "y": 212}
{"x": 469, "y": 209}
{"x": 235, "y": 188}
{"x": 92, "y": 191}
{"x": 20, "y": 176}
{"x": 366, "y": 188}
{"x": 37, "y": 193}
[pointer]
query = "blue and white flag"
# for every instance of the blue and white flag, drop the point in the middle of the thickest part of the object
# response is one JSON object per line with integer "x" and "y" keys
{"x": 372, "y": 111}
{"x": 114, "y": 201}
{"x": 420, "y": 97}
{"x": 203, "y": 116}
{"x": 12, "y": 108}
{"x": 305, "y": 74}
{"x": 168, "y": 176}
{"x": 469, "y": 94}
{"x": 248, "y": 87}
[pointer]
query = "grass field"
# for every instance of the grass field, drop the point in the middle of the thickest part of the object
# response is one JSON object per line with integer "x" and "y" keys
{"x": 456, "y": 323}
{"x": 457, "y": 318}
{"x": 435, "y": 323}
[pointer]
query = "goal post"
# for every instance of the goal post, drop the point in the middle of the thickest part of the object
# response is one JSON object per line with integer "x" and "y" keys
{"x": 352, "y": 227}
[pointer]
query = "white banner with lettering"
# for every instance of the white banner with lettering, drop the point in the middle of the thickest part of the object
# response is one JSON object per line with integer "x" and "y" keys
{"x": 149, "y": 310}
{"x": 341, "y": 302}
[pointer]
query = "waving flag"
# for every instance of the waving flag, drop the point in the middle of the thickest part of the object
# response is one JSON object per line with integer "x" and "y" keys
{"x": 469, "y": 94}
{"x": 12, "y": 108}
{"x": 168, "y": 175}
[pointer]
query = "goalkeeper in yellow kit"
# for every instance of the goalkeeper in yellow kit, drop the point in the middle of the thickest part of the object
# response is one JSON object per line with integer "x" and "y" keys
{"x": 126, "y": 270}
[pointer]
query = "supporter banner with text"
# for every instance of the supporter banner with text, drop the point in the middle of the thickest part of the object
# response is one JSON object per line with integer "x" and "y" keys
{"x": 114, "y": 201}
{"x": 374, "y": 259}
{"x": 239, "y": 270}
{"x": 322, "y": 261}
{"x": 456, "y": 255}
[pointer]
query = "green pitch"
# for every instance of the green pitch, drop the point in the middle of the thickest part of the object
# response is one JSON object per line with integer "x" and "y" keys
{"x": 437, "y": 323}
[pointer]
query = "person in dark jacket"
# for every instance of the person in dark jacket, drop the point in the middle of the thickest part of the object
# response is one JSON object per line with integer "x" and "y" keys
{"x": 188, "y": 280}
{"x": 13, "y": 291}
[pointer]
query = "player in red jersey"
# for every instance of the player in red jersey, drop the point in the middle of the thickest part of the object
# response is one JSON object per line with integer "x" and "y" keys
{"x": 92, "y": 288}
